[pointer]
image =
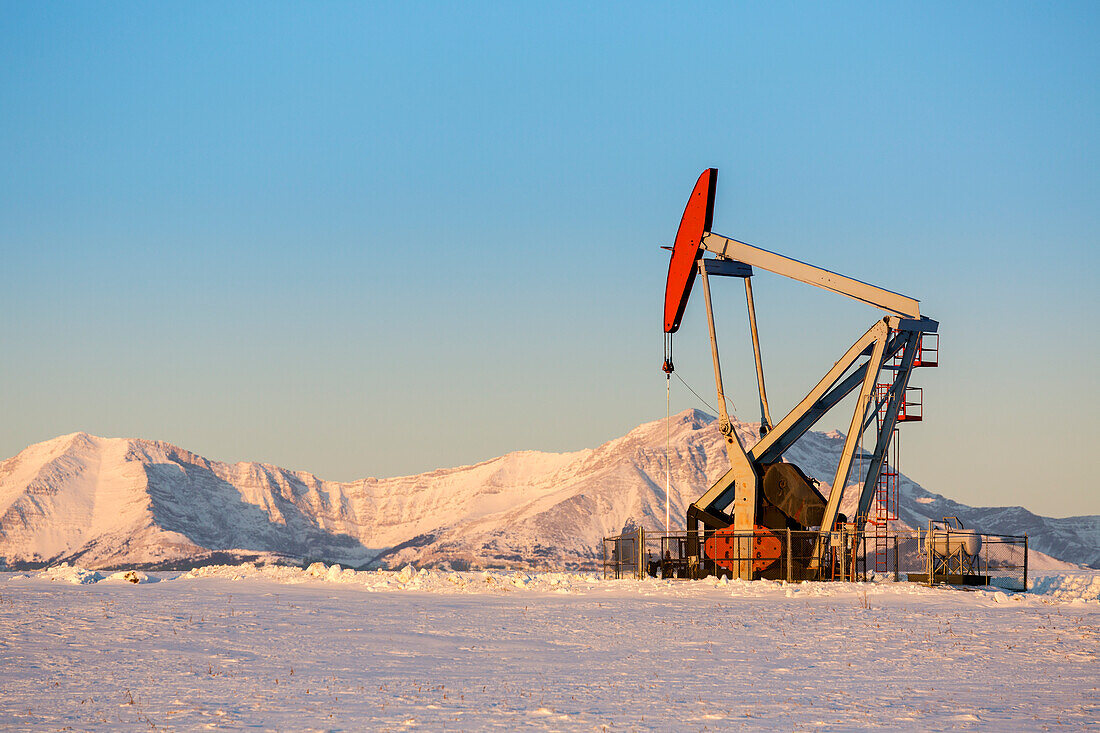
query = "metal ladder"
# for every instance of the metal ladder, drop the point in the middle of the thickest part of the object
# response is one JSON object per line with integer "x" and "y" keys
{"x": 884, "y": 509}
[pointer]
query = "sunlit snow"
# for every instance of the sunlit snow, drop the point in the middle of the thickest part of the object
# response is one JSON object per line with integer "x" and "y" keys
{"x": 328, "y": 648}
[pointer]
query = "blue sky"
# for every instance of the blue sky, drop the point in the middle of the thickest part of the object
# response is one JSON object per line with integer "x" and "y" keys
{"x": 363, "y": 239}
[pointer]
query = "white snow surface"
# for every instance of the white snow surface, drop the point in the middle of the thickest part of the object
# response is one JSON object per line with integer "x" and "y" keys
{"x": 1073, "y": 587}
{"x": 124, "y": 502}
{"x": 329, "y": 648}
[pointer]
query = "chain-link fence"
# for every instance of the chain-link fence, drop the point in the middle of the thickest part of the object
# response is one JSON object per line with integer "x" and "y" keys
{"x": 1004, "y": 561}
{"x": 621, "y": 556}
{"x": 937, "y": 556}
{"x": 782, "y": 555}
{"x": 962, "y": 557}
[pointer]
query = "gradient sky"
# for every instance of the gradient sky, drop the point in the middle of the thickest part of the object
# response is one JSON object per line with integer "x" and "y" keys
{"x": 376, "y": 239}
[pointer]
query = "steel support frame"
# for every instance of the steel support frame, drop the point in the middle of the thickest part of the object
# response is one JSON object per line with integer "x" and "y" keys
{"x": 741, "y": 485}
{"x": 765, "y": 413}
{"x": 889, "y": 421}
{"x": 870, "y": 370}
{"x": 744, "y": 478}
{"x": 822, "y": 398}
{"x": 879, "y": 344}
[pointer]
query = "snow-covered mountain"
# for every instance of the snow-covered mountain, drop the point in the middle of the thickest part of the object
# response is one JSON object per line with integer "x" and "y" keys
{"x": 106, "y": 502}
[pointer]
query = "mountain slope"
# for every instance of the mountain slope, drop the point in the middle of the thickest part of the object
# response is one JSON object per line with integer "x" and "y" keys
{"x": 107, "y": 502}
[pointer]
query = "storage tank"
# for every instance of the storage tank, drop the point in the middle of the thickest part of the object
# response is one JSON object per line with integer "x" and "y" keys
{"x": 951, "y": 541}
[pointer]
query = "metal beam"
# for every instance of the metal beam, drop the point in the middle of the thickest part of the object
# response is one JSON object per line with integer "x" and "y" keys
{"x": 886, "y": 430}
{"x": 737, "y": 457}
{"x": 727, "y": 268}
{"x": 871, "y": 369}
{"x": 742, "y": 474}
{"x": 765, "y": 413}
{"x": 801, "y": 417}
{"x": 923, "y": 324}
{"x": 888, "y": 300}
{"x": 718, "y": 496}
{"x": 775, "y": 450}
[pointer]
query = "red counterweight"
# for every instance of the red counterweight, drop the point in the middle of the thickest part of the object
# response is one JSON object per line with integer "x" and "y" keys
{"x": 722, "y": 547}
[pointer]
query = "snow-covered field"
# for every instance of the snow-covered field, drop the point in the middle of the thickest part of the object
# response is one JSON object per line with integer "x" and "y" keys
{"x": 329, "y": 649}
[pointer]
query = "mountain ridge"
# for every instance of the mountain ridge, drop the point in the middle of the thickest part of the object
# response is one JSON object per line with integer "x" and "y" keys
{"x": 109, "y": 502}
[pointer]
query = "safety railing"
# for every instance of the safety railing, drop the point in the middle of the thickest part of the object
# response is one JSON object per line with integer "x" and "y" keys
{"x": 782, "y": 555}
{"x": 934, "y": 557}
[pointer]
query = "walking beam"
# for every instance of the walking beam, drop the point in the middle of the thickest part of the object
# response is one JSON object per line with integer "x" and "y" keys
{"x": 888, "y": 300}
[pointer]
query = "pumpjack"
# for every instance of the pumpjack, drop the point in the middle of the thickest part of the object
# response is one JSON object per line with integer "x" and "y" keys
{"x": 762, "y": 494}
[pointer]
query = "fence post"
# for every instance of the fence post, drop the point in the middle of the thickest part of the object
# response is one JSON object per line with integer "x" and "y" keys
{"x": 789, "y": 574}
{"x": 855, "y": 572}
{"x": 843, "y": 555}
{"x": 895, "y": 558}
{"x": 639, "y": 567}
{"x": 1025, "y": 562}
{"x": 928, "y": 546}
{"x": 617, "y": 556}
